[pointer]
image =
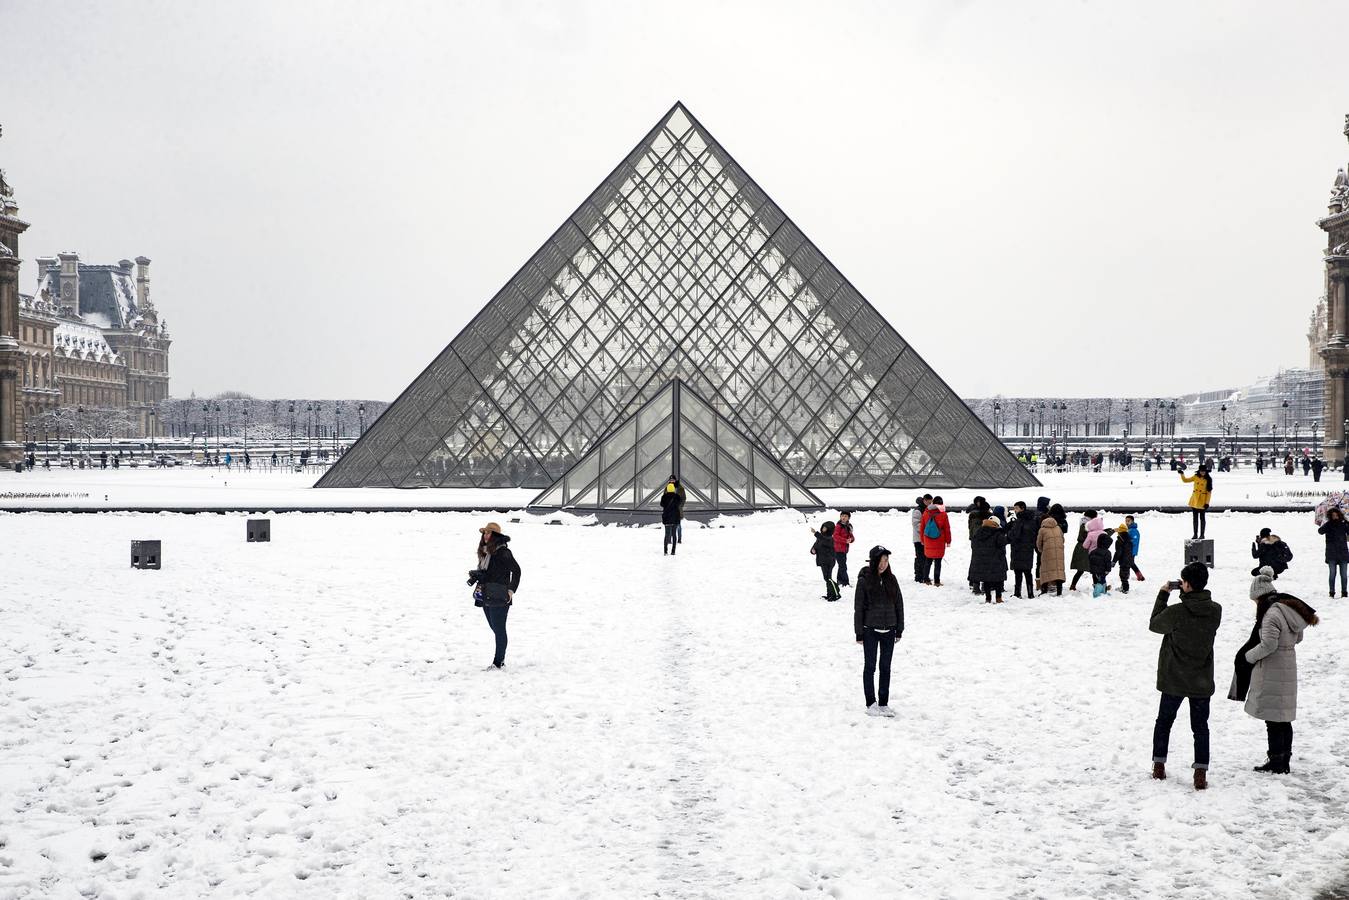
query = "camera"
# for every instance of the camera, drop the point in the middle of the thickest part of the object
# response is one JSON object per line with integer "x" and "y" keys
{"x": 475, "y": 575}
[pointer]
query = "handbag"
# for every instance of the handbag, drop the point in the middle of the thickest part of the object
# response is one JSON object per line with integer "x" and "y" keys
{"x": 496, "y": 594}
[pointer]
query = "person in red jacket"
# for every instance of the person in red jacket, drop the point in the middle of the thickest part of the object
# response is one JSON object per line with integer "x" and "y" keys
{"x": 843, "y": 536}
{"x": 936, "y": 532}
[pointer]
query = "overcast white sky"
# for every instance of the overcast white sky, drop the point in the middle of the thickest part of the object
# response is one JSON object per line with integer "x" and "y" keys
{"x": 1059, "y": 198}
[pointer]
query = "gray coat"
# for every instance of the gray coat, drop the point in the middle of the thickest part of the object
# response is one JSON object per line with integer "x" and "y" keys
{"x": 916, "y": 518}
{"x": 1273, "y": 692}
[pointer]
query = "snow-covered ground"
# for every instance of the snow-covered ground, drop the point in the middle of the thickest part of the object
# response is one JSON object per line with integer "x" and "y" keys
{"x": 188, "y": 488}
{"x": 311, "y": 718}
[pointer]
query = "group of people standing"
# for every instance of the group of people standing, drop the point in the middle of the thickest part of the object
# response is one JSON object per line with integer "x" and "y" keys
{"x": 1029, "y": 544}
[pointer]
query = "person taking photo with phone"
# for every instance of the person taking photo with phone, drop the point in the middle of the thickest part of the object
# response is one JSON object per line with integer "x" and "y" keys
{"x": 1185, "y": 665}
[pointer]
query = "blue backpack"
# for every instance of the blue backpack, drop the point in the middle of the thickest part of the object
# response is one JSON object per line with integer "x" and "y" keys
{"x": 931, "y": 529}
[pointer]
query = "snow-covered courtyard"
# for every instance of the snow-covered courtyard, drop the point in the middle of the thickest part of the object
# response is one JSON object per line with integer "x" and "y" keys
{"x": 311, "y": 718}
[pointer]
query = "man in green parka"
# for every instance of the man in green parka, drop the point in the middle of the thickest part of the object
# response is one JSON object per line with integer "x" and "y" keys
{"x": 1185, "y": 664}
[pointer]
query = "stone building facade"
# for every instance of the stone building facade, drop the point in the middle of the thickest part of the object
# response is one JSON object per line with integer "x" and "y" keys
{"x": 11, "y": 356}
{"x": 111, "y": 347}
{"x": 1335, "y": 353}
{"x": 92, "y": 337}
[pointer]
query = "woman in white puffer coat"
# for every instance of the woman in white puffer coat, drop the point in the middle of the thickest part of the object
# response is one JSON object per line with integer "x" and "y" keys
{"x": 1272, "y": 650}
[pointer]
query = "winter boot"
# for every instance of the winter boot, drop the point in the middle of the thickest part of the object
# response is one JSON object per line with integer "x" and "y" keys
{"x": 1281, "y": 764}
{"x": 1201, "y": 779}
{"x": 1159, "y": 771}
{"x": 999, "y": 600}
{"x": 1270, "y": 764}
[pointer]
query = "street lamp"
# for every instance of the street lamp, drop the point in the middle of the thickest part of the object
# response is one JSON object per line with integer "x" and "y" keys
{"x": 316, "y": 427}
{"x": 997, "y": 412}
{"x": 246, "y": 410}
{"x": 308, "y": 428}
{"x": 337, "y": 425}
{"x": 1223, "y": 440}
{"x": 217, "y": 429}
{"x": 153, "y": 416}
{"x": 291, "y": 456}
{"x": 360, "y": 411}
{"x": 1285, "y": 421}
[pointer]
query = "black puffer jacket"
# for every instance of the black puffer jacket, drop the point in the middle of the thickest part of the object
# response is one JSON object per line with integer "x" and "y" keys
{"x": 824, "y": 549}
{"x": 1021, "y": 535}
{"x": 1099, "y": 559}
{"x": 878, "y": 603}
{"x": 988, "y": 559}
{"x": 1124, "y": 550}
{"x": 501, "y": 569}
{"x": 1275, "y": 555}
{"x": 1337, "y": 540}
{"x": 672, "y": 505}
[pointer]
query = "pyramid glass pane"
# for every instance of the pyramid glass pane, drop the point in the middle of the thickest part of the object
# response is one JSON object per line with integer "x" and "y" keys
{"x": 678, "y": 267}
{"x": 695, "y": 444}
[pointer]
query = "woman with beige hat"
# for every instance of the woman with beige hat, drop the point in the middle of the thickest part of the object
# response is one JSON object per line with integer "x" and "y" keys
{"x": 498, "y": 578}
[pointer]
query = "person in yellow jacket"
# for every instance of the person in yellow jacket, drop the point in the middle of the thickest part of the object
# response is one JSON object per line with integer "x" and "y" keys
{"x": 1199, "y": 498}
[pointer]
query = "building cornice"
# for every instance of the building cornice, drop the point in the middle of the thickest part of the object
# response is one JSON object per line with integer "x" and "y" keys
{"x": 1330, "y": 222}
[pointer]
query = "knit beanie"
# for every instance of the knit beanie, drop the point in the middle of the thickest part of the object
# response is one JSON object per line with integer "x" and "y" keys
{"x": 1263, "y": 583}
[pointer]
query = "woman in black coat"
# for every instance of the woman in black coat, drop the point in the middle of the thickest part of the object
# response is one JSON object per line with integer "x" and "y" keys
{"x": 498, "y": 578}
{"x": 1336, "y": 531}
{"x": 1268, "y": 549}
{"x": 1021, "y": 535}
{"x": 823, "y": 549}
{"x": 878, "y": 622}
{"x": 988, "y": 559}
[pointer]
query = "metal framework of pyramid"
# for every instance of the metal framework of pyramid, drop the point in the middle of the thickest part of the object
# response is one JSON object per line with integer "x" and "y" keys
{"x": 678, "y": 266}
{"x": 676, "y": 433}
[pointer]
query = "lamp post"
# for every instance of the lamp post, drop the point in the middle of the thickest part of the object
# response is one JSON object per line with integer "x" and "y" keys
{"x": 997, "y": 413}
{"x": 1223, "y": 439}
{"x": 217, "y": 429}
{"x": 1285, "y": 422}
{"x": 308, "y": 427}
{"x": 1257, "y": 438}
{"x": 1316, "y": 452}
{"x": 245, "y": 415}
{"x": 315, "y": 453}
{"x": 290, "y": 456}
{"x": 360, "y": 411}
{"x": 337, "y": 425}
{"x": 153, "y": 417}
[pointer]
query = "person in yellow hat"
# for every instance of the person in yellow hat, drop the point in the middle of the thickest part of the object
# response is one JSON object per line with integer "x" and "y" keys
{"x": 498, "y": 578}
{"x": 672, "y": 513}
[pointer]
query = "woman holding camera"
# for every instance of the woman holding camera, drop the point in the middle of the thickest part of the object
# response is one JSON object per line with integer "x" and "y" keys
{"x": 498, "y": 578}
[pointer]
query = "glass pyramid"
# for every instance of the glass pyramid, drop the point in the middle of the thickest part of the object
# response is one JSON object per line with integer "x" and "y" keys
{"x": 676, "y": 433}
{"x": 678, "y": 266}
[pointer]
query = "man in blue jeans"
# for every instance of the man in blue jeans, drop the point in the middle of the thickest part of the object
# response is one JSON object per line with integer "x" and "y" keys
{"x": 1185, "y": 664}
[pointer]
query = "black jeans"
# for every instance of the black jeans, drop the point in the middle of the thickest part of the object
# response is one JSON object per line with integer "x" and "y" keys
{"x": 885, "y": 641}
{"x": 671, "y": 542}
{"x": 1019, "y": 575}
{"x": 1280, "y": 737}
{"x": 496, "y": 618}
{"x": 936, "y": 568}
{"x": 920, "y": 564}
{"x": 1124, "y": 569}
{"x": 841, "y": 560}
{"x": 1199, "y": 519}
{"x": 1166, "y": 715}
